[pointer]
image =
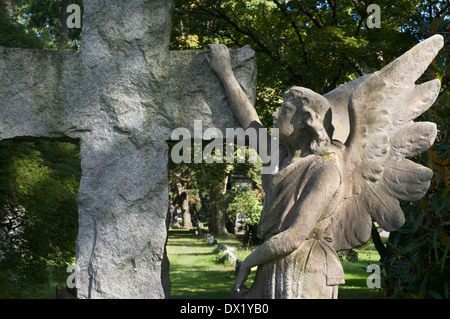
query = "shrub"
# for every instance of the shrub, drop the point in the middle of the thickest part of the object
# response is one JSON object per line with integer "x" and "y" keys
{"x": 248, "y": 204}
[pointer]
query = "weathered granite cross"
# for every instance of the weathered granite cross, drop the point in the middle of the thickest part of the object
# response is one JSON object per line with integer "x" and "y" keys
{"x": 120, "y": 97}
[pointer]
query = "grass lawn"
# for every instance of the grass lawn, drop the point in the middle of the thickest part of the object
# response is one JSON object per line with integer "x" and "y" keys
{"x": 356, "y": 277}
{"x": 194, "y": 273}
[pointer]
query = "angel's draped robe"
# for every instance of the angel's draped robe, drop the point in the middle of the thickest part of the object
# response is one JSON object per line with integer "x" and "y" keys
{"x": 314, "y": 269}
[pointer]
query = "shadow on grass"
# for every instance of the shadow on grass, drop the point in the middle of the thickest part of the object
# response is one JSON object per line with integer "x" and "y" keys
{"x": 193, "y": 272}
{"x": 200, "y": 283}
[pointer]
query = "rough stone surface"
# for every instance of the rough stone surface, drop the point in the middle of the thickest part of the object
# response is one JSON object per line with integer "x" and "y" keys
{"x": 120, "y": 97}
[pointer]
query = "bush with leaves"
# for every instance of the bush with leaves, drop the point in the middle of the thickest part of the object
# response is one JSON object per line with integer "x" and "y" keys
{"x": 38, "y": 212}
{"x": 418, "y": 263}
{"x": 248, "y": 205}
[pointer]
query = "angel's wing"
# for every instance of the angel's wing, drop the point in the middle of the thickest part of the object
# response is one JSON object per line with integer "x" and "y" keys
{"x": 338, "y": 99}
{"x": 382, "y": 134}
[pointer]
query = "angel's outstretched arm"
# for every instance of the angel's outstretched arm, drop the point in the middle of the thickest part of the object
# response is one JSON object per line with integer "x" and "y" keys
{"x": 243, "y": 109}
{"x": 266, "y": 145}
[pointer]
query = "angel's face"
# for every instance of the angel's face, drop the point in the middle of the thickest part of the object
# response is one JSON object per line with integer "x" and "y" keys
{"x": 289, "y": 118}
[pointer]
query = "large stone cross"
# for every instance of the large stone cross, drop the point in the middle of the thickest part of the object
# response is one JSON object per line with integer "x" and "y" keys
{"x": 120, "y": 97}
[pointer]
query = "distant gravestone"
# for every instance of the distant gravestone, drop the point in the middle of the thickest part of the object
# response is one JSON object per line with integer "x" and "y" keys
{"x": 210, "y": 239}
{"x": 241, "y": 182}
{"x": 229, "y": 251}
{"x": 199, "y": 230}
{"x": 239, "y": 224}
{"x": 175, "y": 213}
{"x": 120, "y": 98}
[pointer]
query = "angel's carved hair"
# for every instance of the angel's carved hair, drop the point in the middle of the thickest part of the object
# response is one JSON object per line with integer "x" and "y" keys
{"x": 319, "y": 121}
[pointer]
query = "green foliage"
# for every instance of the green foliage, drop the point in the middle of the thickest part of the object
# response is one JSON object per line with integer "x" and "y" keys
{"x": 39, "y": 212}
{"x": 45, "y": 18}
{"x": 349, "y": 255}
{"x": 315, "y": 44}
{"x": 418, "y": 262}
{"x": 248, "y": 204}
{"x": 12, "y": 34}
{"x": 420, "y": 265}
{"x": 37, "y": 24}
{"x": 208, "y": 182}
{"x": 223, "y": 258}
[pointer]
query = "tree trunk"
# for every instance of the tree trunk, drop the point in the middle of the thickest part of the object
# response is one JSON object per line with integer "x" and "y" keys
{"x": 183, "y": 202}
{"x": 187, "y": 222}
{"x": 385, "y": 254}
{"x": 217, "y": 219}
{"x": 63, "y": 31}
{"x": 379, "y": 246}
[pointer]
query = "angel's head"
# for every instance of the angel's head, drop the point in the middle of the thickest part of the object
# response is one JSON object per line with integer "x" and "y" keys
{"x": 305, "y": 119}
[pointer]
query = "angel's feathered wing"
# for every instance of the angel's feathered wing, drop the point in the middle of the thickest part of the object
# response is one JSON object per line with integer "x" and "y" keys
{"x": 376, "y": 173}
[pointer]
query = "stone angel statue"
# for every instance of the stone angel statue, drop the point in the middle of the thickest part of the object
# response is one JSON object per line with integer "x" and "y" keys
{"x": 342, "y": 164}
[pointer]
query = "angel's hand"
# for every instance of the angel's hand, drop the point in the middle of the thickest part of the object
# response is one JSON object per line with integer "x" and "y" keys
{"x": 239, "y": 290}
{"x": 219, "y": 59}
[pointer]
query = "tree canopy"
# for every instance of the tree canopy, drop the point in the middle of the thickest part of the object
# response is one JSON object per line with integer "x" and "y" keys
{"x": 315, "y": 44}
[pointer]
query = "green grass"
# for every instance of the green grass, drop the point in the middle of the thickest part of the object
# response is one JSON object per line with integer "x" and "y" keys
{"x": 42, "y": 291}
{"x": 194, "y": 273}
{"x": 356, "y": 277}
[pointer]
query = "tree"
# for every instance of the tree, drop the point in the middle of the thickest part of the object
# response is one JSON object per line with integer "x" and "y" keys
{"x": 46, "y": 20}
{"x": 179, "y": 181}
{"x": 315, "y": 44}
{"x": 12, "y": 34}
{"x": 209, "y": 181}
{"x": 38, "y": 212}
{"x": 247, "y": 205}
